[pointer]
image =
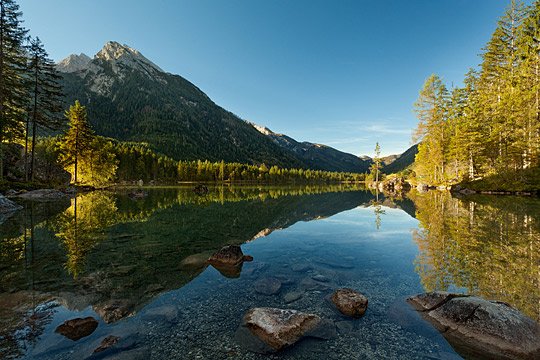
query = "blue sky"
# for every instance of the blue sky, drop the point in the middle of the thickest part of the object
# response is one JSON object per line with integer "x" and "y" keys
{"x": 342, "y": 73}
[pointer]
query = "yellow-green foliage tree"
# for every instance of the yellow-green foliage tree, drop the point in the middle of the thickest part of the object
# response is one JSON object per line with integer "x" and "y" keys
{"x": 98, "y": 163}
{"x": 431, "y": 109}
{"x": 489, "y": 128}
{"x": 77, "y": 140}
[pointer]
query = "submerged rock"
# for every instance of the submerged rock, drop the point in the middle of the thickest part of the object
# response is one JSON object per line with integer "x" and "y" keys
{"x": 350, "y": 302}
{"x": 479, "y": 328}
{"x": 268, "y": 286}
{"x": 163, "y": 313}
{"x": 107, "y": 343}
{"x": 309, "y": 284}
{"x": 78, "y": 328}
{"x": 267, "y": 330}
{"x": 292, "y": 296}
{"x": 113, "y": 310}
{"x": 138, "y": 194}
{"x": 320, "y": 278}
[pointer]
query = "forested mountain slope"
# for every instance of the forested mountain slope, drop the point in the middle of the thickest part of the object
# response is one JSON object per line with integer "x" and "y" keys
{"x": 130, "y": 98}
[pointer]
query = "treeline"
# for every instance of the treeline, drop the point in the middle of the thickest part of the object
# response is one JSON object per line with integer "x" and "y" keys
{"x": 130, "y": 162}
{"x": 491, "y": 125}
{"x": 222, "y": 171}
{"x": 30, "y": 94}
{"x": 98, "y": 161}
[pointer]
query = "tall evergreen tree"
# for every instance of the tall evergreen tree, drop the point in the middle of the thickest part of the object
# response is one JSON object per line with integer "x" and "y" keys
{"x": 376, "y": 166}
{"x": 431, "y": 109}
{"x": 46, "y": 94}
{"x": 78, "y": 137}
{"x": 13, "y": 92}
{"x": 499, "y": 79}
{"x": 529, "y": 85}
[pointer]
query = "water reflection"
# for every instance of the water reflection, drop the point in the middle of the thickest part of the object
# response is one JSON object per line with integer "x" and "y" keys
{"x": 109, "y": 256}
{"x": 488, "y": 246}
{"x": 377, "y": 205}
{"x": 108, "y": 251}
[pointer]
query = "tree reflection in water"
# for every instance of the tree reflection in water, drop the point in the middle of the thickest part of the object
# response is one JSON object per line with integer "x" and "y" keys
{"x": 489, "y": 246}
{"x": 377, "y": 205}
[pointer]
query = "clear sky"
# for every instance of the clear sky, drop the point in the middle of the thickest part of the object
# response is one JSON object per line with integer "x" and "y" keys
{"x": 342, "y": 73}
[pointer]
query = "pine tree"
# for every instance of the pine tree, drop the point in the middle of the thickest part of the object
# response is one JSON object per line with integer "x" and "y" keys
{"x": 46, "y": 94}
{"x": 376, "y": 166}
{"x": 13, "y": 92}
{"x": 78, "y": 137}
{"x": 529, "y": 85}
{"x": 431, "y": 109}
{"x": 498, "y": 81}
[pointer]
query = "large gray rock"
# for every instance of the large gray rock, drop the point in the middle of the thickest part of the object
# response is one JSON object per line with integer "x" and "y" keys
{"x": 267, "y": 330}
{"x": 479, "y": 328}
{"x": 7, "y": 206}
{"x": 43, "y": 195}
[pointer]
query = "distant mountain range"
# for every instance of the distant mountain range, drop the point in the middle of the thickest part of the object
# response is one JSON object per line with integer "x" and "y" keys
{"x": 396, "y": 163}
{"x": 318, "y": 156}
{"x": 132, "y": 99}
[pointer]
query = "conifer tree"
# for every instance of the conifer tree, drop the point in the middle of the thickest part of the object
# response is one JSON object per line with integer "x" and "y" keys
{"x": 46, "y": 94}
{"x": 431, "y": 109}
{"x": 376, "y": 166}
{"x": 13, "y": 92}
{"x": 529, "y": 85}
{"x": 78, "y": 137}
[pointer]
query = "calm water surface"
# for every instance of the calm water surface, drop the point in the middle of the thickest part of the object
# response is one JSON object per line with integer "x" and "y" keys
{"x": 138, "y": 267}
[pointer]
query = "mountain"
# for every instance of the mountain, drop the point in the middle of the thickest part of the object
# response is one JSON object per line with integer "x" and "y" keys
{"x": 132, "y": 99}
{"x": 400, "y": 162}
{"x": 73, "y": 63}
{"x": 318, "y": 156}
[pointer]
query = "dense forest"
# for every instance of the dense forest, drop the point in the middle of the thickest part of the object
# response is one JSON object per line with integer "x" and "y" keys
{"x": 490, "y": 128}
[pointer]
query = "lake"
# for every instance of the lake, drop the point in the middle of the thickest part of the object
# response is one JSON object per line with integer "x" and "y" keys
{"x": 138, "y": 267}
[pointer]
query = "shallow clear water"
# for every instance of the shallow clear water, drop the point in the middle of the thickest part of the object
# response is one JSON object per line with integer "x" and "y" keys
{"x": 137, "y": 266}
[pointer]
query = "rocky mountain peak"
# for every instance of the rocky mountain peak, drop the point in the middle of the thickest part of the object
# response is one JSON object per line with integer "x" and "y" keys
{"x": 262, "y": 129}
{"x": 117, "y": 53}
{"x": 74, "y": 63}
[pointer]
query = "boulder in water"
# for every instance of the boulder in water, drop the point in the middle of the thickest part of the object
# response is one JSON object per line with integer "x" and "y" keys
{"x": 479, "y": 328}
{"x": 78, "y": 328}
{"x": 7, "y": 206}
{"x": 350, "y": 302}
{"x": 267, "y": 330}
{"x": 43, "y": 195}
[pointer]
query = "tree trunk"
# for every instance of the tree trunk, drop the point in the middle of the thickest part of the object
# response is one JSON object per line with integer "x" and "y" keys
{"x": 34, "y": 118}
{"x": 26, "y": 148}
{"x": 34, "y": 130}
{"x": 2, "y": 95}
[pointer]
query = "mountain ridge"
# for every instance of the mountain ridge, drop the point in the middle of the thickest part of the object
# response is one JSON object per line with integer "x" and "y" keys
{"x": 318, "y": 156}
{"x": 131, "y": 98}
